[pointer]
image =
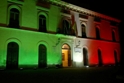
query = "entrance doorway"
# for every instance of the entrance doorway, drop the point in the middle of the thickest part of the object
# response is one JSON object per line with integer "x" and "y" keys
{"x": 85, "y": 57}
{"x": 66, "y": 56}
{"x": 42, "y": 59}
{"x": 12, "y": 55}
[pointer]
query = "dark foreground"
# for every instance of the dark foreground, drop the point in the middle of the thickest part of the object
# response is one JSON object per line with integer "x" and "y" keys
{"x": 63, "y": 75}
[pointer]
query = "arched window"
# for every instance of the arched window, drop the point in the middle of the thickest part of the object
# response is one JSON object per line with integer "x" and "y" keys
{"x": 83, "y": 31}
{"x": 14, "y": 18}
{"x": 65, "y": 27}
{"x": 100, "y": 63}
{"x": 113, "y": 36}
{"x": 97, "y": 33}
{"x": 12, "y": 55}
{"x": 42, "y": 53}
{"x": 42, "y": 23}
{"x": 85, "y": 57}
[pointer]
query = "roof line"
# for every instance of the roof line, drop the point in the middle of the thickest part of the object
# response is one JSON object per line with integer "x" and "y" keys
{"x": 82, "y": 10}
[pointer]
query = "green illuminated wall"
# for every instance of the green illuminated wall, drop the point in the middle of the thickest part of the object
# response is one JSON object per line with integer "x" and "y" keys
{"x": 54, "y": 17}
{"x": 29, "y": 14}
{"x": 31, "y": 11}
{"x": 3, "y": 11}
{"x": 28, "y": 42}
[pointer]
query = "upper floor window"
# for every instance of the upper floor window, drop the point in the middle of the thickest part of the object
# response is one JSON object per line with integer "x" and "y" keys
{"x": 83, "y": 31}
{"x": 14, "y": 18}
{"x": 65, "y": 27}
{"x": 97, "y": 33}
{"x": 113, "y": 36}
{"x": 42, "y": 23}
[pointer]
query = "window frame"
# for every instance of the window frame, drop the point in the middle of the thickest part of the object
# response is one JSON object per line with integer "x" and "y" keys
{"x": 8, "y": 14}
{"x": 44, "y": 14}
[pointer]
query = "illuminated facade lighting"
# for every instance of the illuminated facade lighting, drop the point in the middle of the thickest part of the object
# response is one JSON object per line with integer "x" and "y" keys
{"x": 39, "y": 34}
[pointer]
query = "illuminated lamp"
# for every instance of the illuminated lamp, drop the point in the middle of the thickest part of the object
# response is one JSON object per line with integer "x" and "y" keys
{"x": 87, "y": 66}
{"x": 77, "y": 58}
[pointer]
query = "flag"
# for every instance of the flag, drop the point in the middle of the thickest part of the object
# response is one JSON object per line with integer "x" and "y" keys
{"x": 74, "y": 26}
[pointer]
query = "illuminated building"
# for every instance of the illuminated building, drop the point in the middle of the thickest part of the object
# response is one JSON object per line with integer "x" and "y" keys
{"x": 37, "y": 34}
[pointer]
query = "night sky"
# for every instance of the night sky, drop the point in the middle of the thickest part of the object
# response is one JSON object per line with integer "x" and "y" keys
{"x": 113, "y": 8}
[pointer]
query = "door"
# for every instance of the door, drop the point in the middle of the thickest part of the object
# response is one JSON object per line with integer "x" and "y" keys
{"x": 85, "y": 57}
{"x": 42, "y": 62}
{"x": 66, "y": 56}
{"x": 12, "y": 55}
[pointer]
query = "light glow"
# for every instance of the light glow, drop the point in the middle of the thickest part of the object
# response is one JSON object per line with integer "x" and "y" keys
{"x": 77, "y": 58}
{"x": 87, "y": 66}
{"x": 28, "y": 38}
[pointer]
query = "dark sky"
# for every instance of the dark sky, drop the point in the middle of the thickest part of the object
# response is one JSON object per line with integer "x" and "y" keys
{"x": 111, "y": 8}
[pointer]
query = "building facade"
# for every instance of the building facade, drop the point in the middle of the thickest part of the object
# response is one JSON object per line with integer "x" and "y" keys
{"x": 44, "y": 33}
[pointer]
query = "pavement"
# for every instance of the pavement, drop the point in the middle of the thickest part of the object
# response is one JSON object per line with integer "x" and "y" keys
{"x": 63, "y": 75}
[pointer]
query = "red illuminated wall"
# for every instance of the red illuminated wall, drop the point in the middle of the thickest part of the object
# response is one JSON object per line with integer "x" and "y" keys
{"x": 107, "y": 52}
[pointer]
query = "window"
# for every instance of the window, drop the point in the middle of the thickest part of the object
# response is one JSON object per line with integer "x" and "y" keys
{"x": 42, "y": 23}
{"x": 14, "y": 18}
{"x": 65, "y": 27}
{"x": 113, "y": 36}
{"x": 83, "y": 31}
{"x": 97, "y": 33}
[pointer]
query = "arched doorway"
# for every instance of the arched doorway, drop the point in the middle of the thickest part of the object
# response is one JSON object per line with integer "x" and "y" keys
{"x": 66, "y": 56}
{"x": 85, "y": 57}
{"x": 42, "y": 58}
{"x": 100, "y": 63}
{"x": 12, "y": 55}
{"x": 115, "y": 56}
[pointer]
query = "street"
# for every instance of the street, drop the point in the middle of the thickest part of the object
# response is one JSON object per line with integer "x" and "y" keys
{"x": 62, "y": 75}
